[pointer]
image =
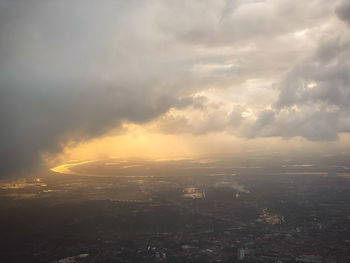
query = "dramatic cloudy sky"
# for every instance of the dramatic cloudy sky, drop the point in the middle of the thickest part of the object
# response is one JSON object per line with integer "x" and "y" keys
{"x": 195, "y": 73}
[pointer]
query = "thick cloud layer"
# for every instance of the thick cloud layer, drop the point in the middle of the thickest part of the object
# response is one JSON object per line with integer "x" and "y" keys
{"x": 314, "y": 99}
{"x": 71, "y": 70}
{"x": 310, "y": 76}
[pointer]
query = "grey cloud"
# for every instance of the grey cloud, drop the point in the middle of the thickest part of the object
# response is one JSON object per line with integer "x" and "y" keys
{"x": 314, "y": 125}
{"x": 214, "y": 121}
{"x": 236, "y": 22}
{"x": 314, "y": 96}
{"x": 199, "y": 102}
{"x": 71, "y": 70}
{"x": 343, "y": 11}
{"x": 328, "y": 69}
{"x": 235, "y": 117}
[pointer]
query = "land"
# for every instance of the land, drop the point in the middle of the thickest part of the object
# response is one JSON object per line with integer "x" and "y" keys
{"x": 200, "y": 217}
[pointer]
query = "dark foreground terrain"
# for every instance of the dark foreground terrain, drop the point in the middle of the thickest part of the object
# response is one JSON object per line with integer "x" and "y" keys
{"x": 197, "y": 218}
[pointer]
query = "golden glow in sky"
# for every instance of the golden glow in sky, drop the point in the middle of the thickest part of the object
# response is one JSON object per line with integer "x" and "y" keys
{"x": 143, "y": 142}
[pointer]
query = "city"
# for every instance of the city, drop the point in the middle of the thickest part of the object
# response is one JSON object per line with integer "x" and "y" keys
{"x": 199, "y": 218}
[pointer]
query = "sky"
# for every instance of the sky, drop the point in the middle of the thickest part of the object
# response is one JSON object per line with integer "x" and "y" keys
{"x": 91, "y": 79}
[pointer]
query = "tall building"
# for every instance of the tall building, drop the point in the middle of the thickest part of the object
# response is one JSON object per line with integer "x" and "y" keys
{"x": 240, "y": 254}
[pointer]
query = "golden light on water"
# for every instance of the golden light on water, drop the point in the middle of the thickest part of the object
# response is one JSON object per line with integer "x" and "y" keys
{"x": 66, "y": 167}
{"x": 138, "y": 142}
{"x": 144, "y": 142}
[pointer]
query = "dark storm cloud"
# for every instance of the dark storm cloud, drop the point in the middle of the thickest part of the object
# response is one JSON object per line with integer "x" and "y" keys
{"x": 71, "y": 70}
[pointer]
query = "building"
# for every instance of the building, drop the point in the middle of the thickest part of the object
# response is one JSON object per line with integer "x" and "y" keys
{"x": 240, "y": 254}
